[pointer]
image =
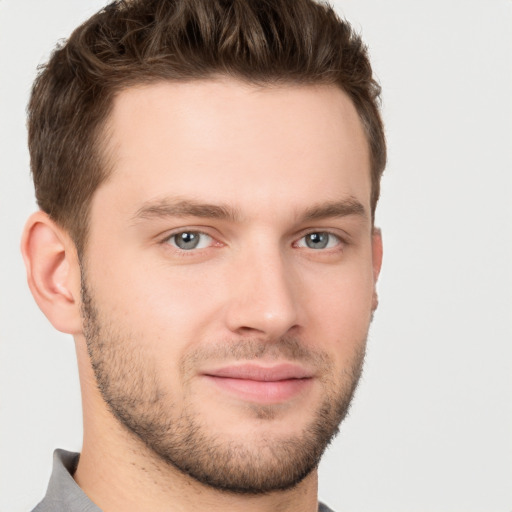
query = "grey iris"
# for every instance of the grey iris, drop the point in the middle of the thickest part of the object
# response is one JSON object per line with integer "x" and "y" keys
{"x": 317, "y": 240}
{"x": 187, "y": 240}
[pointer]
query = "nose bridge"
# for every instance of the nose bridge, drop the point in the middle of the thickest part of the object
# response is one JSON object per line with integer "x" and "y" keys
{"x": 262, "y": 296}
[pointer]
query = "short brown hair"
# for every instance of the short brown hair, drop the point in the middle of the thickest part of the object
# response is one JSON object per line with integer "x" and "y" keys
{"x": 141, "y": 41}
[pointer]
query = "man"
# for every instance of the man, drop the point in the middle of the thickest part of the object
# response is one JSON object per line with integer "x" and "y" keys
{"x": 207, "y": 173}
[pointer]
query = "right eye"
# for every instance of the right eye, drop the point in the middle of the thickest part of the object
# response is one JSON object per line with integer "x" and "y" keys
{"x": 189, "y": 240}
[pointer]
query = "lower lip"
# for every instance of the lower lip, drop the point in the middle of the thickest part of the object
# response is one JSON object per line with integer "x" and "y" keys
{"x": 262, "y": 391}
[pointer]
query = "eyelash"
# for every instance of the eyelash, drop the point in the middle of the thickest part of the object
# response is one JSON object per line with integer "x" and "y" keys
{"x": 339, "y": 241}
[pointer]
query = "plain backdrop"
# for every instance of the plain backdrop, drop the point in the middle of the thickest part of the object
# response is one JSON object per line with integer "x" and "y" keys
{"x": 431, "y": 426}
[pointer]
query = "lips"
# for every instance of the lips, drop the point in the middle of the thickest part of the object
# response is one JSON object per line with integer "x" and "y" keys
{"x": 263, "y": 384}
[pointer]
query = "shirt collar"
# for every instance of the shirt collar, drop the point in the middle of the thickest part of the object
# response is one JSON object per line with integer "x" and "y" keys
{"x": 64, "y": 494}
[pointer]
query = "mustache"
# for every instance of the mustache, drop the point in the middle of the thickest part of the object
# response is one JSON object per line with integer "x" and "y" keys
{"x": 289, "y": 348}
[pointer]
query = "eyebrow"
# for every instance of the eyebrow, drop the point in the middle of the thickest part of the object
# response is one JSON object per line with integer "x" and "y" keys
{"x": 168, "y": 207}
{"x": 333, "y": 209}
{"x": 185, "y": 208}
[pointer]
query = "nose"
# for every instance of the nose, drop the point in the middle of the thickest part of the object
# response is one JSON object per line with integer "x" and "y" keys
{"x": 263, "y": 298}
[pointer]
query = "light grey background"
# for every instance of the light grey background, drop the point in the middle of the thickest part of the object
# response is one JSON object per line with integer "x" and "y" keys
{"x": 431, "y": 427}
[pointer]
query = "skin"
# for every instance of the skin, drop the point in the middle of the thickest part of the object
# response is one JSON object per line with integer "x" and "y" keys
{"x": 274, "y": 164}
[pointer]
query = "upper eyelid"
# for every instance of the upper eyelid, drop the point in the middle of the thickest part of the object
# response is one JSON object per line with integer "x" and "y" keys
{"x": 203, "y": 230}
{"x": 188, "y": 231}
{"x": 342, "y": 235}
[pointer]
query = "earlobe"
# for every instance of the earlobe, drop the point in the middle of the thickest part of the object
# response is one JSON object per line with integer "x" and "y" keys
{"x": 53, "y": 272}
{"x": 377, "y": 252}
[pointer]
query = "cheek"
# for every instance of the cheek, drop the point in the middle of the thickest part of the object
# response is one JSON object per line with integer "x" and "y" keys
{"x": 166, "y": 305}
{"x": 341, "y": 306}
{"x": 345, "y": 287}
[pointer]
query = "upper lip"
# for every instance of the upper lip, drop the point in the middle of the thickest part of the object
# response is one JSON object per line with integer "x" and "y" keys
{"x": 258, "y": 372}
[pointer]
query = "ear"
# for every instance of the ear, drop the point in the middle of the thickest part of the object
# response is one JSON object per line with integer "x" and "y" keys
{"x": 376, "y": 262}
{"x": 53, "y": 272}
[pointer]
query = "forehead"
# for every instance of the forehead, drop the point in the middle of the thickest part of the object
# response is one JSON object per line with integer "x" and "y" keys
{"x": 226, "y": 140}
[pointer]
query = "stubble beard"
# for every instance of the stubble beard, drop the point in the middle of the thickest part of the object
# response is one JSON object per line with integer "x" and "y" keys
{"x": 129, "y": 386}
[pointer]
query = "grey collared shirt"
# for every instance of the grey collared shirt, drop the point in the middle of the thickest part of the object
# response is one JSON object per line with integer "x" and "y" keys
{"x": 64, "y": 494}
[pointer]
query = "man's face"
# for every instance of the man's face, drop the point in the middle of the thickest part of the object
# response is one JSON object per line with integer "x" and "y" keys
{"x": 229, "y": 275}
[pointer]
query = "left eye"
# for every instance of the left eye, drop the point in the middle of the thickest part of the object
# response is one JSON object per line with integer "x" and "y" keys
{"x": 319, "y": 240}
{"x": 189, "y": 240}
